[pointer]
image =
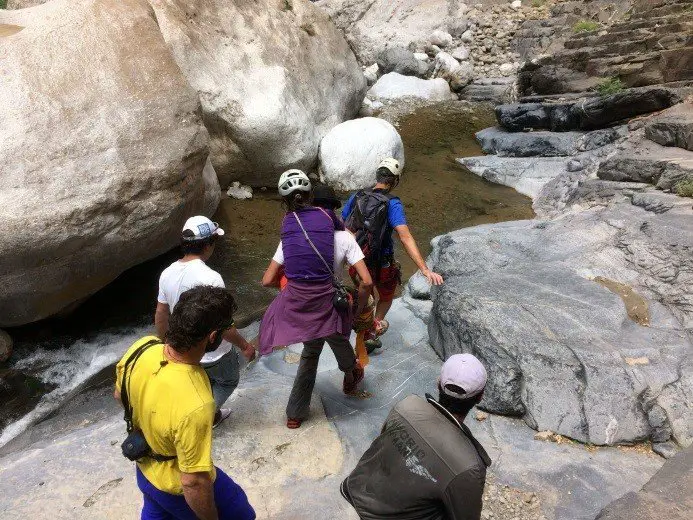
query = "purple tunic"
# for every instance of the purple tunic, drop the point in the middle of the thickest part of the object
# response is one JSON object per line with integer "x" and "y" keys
{"x": 303, "y": 310}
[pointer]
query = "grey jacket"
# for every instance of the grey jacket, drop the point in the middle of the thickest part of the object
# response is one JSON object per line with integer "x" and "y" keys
{"x": 424, "y": 465}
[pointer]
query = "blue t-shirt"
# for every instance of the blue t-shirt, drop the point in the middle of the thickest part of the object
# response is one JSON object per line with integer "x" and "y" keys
{"x": 395, "y": 217}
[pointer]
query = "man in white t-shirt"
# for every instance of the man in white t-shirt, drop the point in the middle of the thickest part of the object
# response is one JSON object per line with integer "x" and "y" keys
{"x": 222, "y": 366}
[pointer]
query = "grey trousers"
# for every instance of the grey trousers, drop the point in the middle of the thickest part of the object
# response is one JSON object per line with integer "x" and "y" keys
{"x": 224, "y": 375}
{"x": 299, "y": 400}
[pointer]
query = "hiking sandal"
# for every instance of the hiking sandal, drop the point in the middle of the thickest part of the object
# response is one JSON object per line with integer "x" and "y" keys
{"x": 358, "y": 373}
{"x": 292, "y": 424}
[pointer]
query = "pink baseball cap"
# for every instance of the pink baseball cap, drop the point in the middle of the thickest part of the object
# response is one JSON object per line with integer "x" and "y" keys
{"x": 464, "y": 371}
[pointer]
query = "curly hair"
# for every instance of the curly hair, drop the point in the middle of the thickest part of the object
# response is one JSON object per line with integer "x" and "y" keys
{"x": 199, "y": 311}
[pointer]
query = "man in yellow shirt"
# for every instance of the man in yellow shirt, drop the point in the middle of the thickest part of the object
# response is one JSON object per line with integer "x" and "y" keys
{"x": 172, "y": 405}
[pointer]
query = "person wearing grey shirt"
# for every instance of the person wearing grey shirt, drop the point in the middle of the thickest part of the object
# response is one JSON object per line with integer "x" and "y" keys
{"x": 426, "y": 464}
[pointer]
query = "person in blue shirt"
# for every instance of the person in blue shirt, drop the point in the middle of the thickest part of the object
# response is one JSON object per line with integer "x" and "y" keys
{"x": 374, "y": 216}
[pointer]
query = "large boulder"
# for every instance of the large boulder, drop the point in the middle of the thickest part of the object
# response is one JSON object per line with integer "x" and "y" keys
{"x": 102, "y": 151}
{"x": 395, "y": 86}
{"x": 273, "y": 78}
{"x": 548, "y": 306}
{"x": 402, "y": 61}
{"x": 457, "y": 74}
{"x": 372, "y": 26}
{"x": 672, "y": 127}
{"x": 350, "y": 152}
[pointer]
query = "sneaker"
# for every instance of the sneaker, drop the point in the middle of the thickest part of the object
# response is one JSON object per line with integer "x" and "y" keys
{"x": 221, "y": 415}
{"x": 373, "y": 344}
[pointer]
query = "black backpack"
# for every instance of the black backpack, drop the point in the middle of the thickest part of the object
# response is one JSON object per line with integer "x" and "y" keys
{"x": 368, "y": 221}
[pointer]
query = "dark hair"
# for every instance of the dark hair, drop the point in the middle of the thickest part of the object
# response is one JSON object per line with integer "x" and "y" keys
{"x": 385, "y": 176}
{"x": 455, "y": 405}
{"x": 297, "y": 200}
{"x": 196, "y": 247}
{"x": 199, "y": 311}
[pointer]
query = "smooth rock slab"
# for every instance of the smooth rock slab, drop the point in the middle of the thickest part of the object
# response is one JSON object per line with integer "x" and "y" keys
{"x": 291, "y": 474}
{"x": 395, "y": 86}
{"x": 526, "y": 175}
{"x": 351, "y": 152}
{"x": 668, "y": 494}
{"x": 521, "y": 297}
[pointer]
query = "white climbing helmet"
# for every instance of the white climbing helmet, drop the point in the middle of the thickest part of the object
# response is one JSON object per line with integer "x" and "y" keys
{"x": 292, "y": 180}
{"x": 393, "y": 165}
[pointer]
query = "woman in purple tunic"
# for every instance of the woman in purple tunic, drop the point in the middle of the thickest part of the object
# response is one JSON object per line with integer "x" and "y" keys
{"x": 313, "y": 249}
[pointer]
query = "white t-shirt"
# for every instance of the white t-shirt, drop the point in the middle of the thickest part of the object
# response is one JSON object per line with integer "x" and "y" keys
{"x": 345, "y": 249}
{"x": 181, "y": 276}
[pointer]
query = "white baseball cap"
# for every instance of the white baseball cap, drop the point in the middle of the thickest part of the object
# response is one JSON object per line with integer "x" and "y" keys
{"x": 464, "y": 371}
{"x": 201, "y": 228}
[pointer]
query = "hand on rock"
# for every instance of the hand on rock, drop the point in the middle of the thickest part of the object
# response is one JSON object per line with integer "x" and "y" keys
{"x": 433, "y": 278}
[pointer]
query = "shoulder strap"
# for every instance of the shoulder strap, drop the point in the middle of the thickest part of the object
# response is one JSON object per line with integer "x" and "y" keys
{"x": 125, "y": 381}
{"x": 305, "y": 234}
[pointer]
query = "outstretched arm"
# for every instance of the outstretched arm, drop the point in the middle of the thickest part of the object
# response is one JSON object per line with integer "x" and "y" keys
{"x": 412, "y": 250}
{"x": 234, "y": 337}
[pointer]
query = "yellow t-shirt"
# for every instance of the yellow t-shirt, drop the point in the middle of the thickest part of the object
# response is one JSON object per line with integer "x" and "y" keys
{"x": 174, "y": 408}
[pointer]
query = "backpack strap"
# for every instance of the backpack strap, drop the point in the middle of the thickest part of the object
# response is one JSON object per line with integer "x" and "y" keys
{"x": 125, "y": 380}
{"x": 124, "y": 393}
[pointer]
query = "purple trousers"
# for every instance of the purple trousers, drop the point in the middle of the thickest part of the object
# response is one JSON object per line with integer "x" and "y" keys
{"x": 230, "y": 499}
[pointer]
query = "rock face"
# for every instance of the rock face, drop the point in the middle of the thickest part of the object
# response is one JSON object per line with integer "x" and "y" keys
{"x": 273, "y": 79}
{"x": 673, "y": 127}
{"x": 372, "y": 26}
{"x": 98, "y": 171}
{"x": 653, "y": 45}
{"x": 5, "y": 346}
{"x": 578, "y": 311}
{"x": 522, "y": 297}
{"x": 350, "y": 152}
{"x": 394, "y": 86}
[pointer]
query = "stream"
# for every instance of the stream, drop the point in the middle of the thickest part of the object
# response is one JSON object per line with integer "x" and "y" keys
{"x": 59, "y": 357}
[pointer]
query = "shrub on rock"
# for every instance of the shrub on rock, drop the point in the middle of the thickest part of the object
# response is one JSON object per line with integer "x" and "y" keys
{"x": 350, "y": 152}
{"x": 102, "y": 151}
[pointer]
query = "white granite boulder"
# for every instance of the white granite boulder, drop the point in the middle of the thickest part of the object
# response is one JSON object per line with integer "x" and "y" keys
{"x": 350, "y": 152}
{"x": 394, "y": 86}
